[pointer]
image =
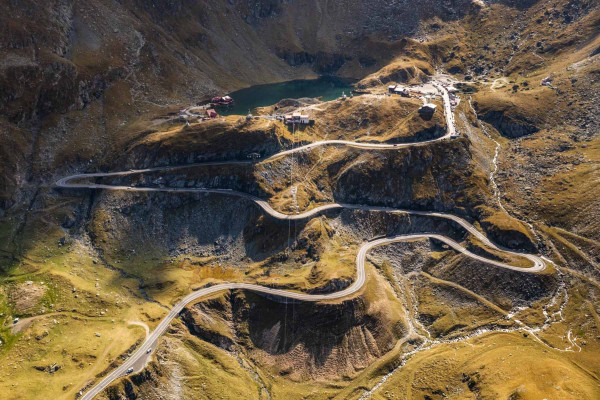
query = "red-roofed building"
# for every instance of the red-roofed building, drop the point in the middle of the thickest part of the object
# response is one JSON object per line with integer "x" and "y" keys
{"x": 221, "y": 101}
{"x": 297, "y": 118}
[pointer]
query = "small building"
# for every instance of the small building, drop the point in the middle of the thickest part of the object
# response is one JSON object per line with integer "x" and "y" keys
{"x": 427, "y": 108}
{"x": 211, "y": 113}
{"x": 402, "y": 91}
{"x": 297, "y": 118}
{"x": 221, "y": 101}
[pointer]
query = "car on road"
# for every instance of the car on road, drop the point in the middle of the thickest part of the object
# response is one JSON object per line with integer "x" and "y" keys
{"x": 129, "y": 370}
{"x": 148, "y": 351}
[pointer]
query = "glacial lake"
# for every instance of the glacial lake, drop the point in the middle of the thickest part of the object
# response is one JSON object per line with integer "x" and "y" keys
{"x": 325, "y": 87}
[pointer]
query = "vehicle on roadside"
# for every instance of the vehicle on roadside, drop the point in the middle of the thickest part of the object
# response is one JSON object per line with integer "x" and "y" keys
{"x": 129, "y": 370}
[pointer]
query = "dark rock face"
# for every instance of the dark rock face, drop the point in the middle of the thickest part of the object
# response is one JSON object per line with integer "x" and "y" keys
{"x": 509, "y": 238}
{"x": 428, "y": 133}
{"x": 35, "y": 79}
{"x": 207, "y": 143}
{"x": 253, "y": 11}
{"x": 132, "y": 387}
{"x": 321, "y": 62}
{"x": 404, "y": 75}
{"x": 519, "y": 4}
{"x": 428, "y": 178}
{"x": 330, "y": 323}
{"x": 190, "y": 319}
{"x": 390, "y": 18}
{"x": 327, "y": 332}
{"x": 35, "y": 91}
{"x": 48, "y": 368}
{"x": 493, "y": 282}
{"x": 456, "y": 69}
{"x": 508, "y": 126}
{"x": 333, "y": 285}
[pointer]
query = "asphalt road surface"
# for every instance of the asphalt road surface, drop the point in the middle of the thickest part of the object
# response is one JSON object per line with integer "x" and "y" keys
{"x": 139, "y": 358}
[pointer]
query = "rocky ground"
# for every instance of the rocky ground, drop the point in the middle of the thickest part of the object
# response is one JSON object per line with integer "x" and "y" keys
{"x": 82, "y": 85}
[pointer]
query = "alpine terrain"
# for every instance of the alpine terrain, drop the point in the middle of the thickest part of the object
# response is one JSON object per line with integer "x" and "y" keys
{"x": 300, "y": 199}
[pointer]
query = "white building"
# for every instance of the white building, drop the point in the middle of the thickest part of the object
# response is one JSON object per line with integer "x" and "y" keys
{"x": 402, "y": 91}
{"x": 427, "y": 108}
{"x": 297, "y": 118}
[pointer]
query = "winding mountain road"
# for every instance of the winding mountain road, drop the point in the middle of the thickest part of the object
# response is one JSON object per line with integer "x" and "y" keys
{"x": 450, "y": 123}
{"x": 139, "y": 358}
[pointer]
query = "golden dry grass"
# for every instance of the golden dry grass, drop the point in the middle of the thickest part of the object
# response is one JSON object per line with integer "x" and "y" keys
{"x": 496, "y": 365}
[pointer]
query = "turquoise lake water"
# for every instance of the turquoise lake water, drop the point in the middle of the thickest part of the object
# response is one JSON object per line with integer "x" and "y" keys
{"x": 325, "y": 87}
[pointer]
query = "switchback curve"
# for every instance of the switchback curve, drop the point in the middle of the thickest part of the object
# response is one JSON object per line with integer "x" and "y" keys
{"x": 139, "y": 357}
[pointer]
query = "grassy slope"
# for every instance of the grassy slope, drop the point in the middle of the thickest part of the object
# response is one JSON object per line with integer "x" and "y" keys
{"x": 496, "y": 366}
{"x": 81, "y": 298}
{"x": 43, "y": 265}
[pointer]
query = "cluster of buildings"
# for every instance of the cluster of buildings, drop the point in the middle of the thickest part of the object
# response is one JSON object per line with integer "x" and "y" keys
{"x": 398, "y": 89}
{"x": 197, "y": 112}
{"x": 206, "y": 111}
{"x": 454, "y": 99}
{"x": 224, "y": 101}
{"x": 297, "y": 118}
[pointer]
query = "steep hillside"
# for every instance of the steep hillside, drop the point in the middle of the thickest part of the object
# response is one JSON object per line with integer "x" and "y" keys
{"x": 95, "y": 67}
{"x": 490, "y": 289}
